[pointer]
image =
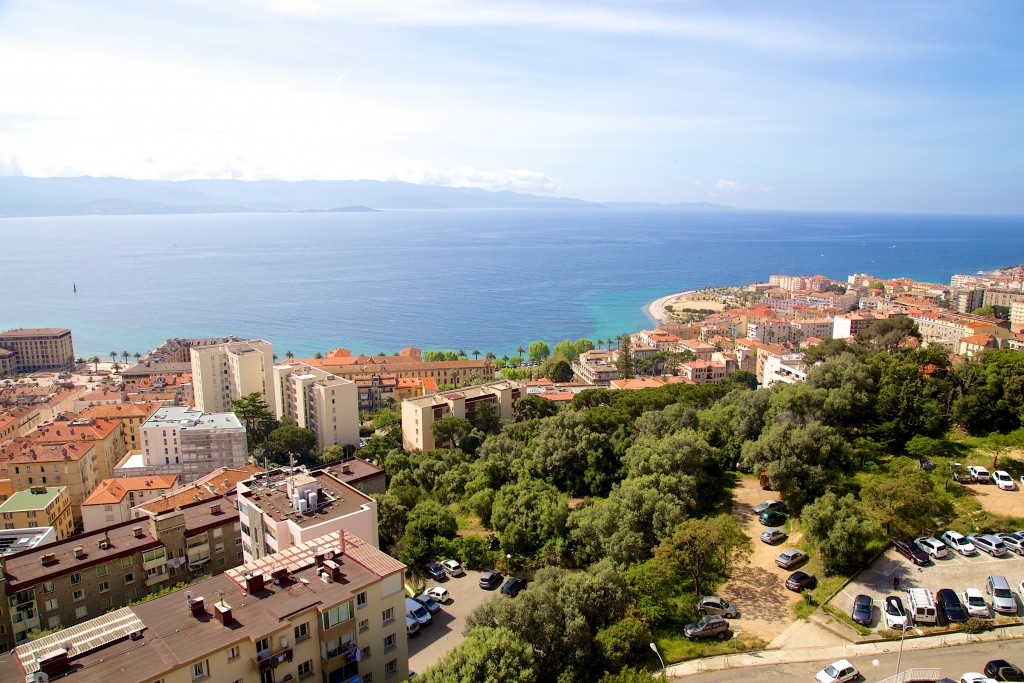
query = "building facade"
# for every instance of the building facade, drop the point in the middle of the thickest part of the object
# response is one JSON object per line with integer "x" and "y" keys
{"x": 39, "y": 506}
{"x": 112, "y": 501}
{"x": 418, "y": 414}
{"x": 39, "y": 348}
{"x": 225, "y": 372}
{"x": 320, "y": 401}
{"x": 177, "y": 440}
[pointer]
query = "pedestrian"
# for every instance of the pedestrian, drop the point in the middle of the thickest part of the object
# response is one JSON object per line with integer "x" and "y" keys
{"x": 895, "y": 582}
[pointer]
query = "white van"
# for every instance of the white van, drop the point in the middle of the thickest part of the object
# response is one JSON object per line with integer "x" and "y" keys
{"x": 411, "y": 626}
{"x": 921, "y": 606}
{"x": 417, "y": 611}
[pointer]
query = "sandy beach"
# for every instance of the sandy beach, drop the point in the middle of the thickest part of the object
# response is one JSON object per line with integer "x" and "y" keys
{"x": 658, "y": 309}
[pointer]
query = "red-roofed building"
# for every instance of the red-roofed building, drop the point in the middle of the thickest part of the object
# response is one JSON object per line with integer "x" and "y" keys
{"x": 112, "y": 501}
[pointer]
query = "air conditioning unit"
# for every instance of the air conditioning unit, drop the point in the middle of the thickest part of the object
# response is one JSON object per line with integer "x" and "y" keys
{"x": 135, "y": 635}
{"x": 104, "y": 544}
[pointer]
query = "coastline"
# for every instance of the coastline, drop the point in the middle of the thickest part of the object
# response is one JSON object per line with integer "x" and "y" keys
{"x": 656, "y": 309}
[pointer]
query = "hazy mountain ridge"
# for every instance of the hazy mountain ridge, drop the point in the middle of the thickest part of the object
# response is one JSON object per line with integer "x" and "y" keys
{"x": 25, "y": 196}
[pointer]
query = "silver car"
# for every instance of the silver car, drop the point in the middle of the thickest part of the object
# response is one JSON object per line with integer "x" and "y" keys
{"x": 988, "y": 543}
{"x": 932, "y": 546}
{"x": 1014, "y": 542}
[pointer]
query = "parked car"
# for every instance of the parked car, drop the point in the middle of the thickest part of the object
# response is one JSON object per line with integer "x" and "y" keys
{"x": 895, "y": 614}
{"x": 772, "y": 518}
{"x": 712, "y": 604}
{"x": 974, "y": 677}
{"x": 711, "y": 626}
{"x": 958, "y": 542}
{"x": 776, "y": 505}
{"x": 417, "y": 611}
{"x": 950, "y": 606}
{"x": 438, "y": 594}
{"x": 1003, "y": 480}
{"x": 992, "y": 545}
{"x": 452, "y": 568}
{"x": 773, "y": 536}
{"x": 838, "y": 672}
{"x": 799, "y": 581}
{"x": 960, "y": 473}
{"x": 1002, "y": 597}
{"x": 435, "y": 571}
{"x": 911, "y": 551}
{"x": 863, "y": 610}
{"x": 512, "y": 587}
{"x": 790, "y": 558}
{"x": 412, "y": 627}
{"x": 976, "y": 604}
{"x": 926, "y": 464}
{"x": 932, "y": 546}
{"x": 489, "y": 580}
{"x": 1002, "y": 670}
{"x": 979, "y": 474}
{"x": 1014, "y": 542}
{"x": 427, "y": 602}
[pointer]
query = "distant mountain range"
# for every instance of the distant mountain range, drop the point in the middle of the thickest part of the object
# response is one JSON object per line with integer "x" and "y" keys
{"x": 84, "y": 196}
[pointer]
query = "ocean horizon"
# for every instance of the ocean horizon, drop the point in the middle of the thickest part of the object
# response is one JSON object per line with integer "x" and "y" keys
{"x": 482, "y": 279}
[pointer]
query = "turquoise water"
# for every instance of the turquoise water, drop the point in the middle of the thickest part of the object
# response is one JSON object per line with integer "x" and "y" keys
{"x": 472, "y": 279}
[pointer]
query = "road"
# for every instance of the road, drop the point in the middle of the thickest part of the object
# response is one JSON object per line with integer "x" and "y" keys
{"x": 953, "y": 661}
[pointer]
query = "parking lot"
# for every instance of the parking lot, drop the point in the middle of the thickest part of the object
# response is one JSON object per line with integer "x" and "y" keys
{"x": 445, "y": 629}
{"x": 952, "y": 571}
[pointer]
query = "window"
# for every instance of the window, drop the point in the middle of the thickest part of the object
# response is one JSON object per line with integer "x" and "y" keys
{"x": 337, "y": 615}
{"x": 306, "y": 668}
{"x": 48, "y": 586}
{"x": 81, "y": 612}
{"x": 200, "y": 670}
{"x": 364, "y": 652}
{"x": 221, "y": 563}
{"x": 361, "y": 599}
{"x": 51, "y": 605}
{"x": 129, "y": 594}
{"x": 234, "y": 653}
{"x": 364, "y": 624}
{"x": 368, "y": 677}
{"x": 301, "y": 632}
{"x": 101, "y": 570}
{"x": 129, "y": 578}
{"x": 389, "y": 641}
{"x": 387, "y": 615}
{"x": 219, "y": 548}
{"x": 53, "y": 622}
{"x": 391, "y": 668}
{"x": 31, "y": 513}
{"x": 104, "y": 586}
{"x": 76, "y": 579}
{"x": 218, "y": 532}
{"x": 105, "y": 603}
{"x": 262, "y": 645}
{"x": 78, "y": 596}
{"x": 126, "y": 563}
{"x": 108, "y": 508}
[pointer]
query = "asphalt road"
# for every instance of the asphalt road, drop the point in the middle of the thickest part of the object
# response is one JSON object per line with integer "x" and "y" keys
{"x": 953, "y": 661}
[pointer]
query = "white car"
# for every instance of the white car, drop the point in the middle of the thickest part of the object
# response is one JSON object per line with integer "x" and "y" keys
{"x": 979, "y": 474}
{"x": 975, "y": 603}
{"x": 838, "y": 672}
{"x": 439, "y": 594}
{"x": 954, "y": 540}
{"x": 932, "y": 546}
{"x": 895, "y": 614}
{"x": 1003, "y": 480}
{"x": 973, "y": 677}
{"x": 427, "y": 602}
{"x": 452, "y": 568}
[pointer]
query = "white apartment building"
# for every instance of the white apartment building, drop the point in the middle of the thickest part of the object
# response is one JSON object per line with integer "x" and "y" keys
{"x": 188, "y": 443}
{"x": 418, "y": 414}
{"x": 318, "y": 400}
{"x": 223, "y": 372}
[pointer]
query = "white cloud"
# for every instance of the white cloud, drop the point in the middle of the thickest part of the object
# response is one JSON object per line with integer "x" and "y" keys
{"x": 723, "y": 185}
{"x": 515, "y": 180}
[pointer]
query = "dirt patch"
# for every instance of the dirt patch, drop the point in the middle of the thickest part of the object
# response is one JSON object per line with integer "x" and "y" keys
{"x": 757, "y": 587}
{"x": 997, "y": 501}
{"x": 680, "y": 302}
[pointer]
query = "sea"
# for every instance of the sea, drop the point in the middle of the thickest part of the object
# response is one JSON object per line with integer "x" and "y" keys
{"x": 477, "y": 280}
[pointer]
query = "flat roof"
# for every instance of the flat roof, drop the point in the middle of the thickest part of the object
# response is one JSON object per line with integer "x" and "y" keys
{"x": 336, "y": 499}
{"x": 177, "y": 416}
{"x": 35, "y": 498}
{"x": 29, "y": 332}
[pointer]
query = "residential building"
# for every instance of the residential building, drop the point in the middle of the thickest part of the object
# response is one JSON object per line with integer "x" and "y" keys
{"x": 89, "y": 574}
{"x": 225, "y": 372}
{"x": 288, "y": 507}
{"x": 703, "y": 371}
{"x": 107, "y": 434}
{"x": 452, "y": 373}
{"x": 418, "y": 414}
{"x": 976, "y": 343}
{"x": 816, "y": 327}
{"x": 39, "y": 506}
{"x": 361, "y": 475}
{"x": 99, "y": 397}
{"x": 131, "y": 415}
{"x": 1017, "y": 316}
{"x": 948, "y": 329}
{"x": 966, "y": 300}
{"x": 13, "y": 541}
{"x": 39, "y": 348}
{"x": 331, "y": 611}
{"x": 595, "y": 367}
{"x": 701, "y": 350}
{"x": 74, "y": 465}
{"x": 318, "y": 400}
{"x": 177, "y": 440}
{"x": 770, "y": 331}
{"x": 8, "y": 362}
{"x": 1000, "y": 297}
{"x": 113, "y": 499}
{"x": 787, "y": 369}
{"x": 221, "y": 482}
{"x": 846, "y": 325}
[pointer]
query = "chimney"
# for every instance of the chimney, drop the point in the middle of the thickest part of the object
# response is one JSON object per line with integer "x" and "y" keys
{"x": 253, "y": 584}
{"x": 215, "y": 509}
{"x": 79, "y": 552}
{"x": 197, "y": 606}
{"x": 137, "y": 531}
{"x": 222, "y": 611}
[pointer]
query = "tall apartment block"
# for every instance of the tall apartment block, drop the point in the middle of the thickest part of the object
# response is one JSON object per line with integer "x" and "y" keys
{"x": 228, "y": 371}
{"x": 40, "y": 348}
{"x": 320, "y": 401}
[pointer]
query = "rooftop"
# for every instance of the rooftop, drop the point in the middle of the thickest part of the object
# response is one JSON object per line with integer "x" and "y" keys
{"x": 29, "y": 332}
{"x": 35, "y": 498}
{"x": 217, "y": 483}
{"x": 19, "y": 540}
{"x": 121, "y": 410}
{"x": 115, "y": 490}
{"x": 269, "y": 493}
{"x": 190, "y": 418}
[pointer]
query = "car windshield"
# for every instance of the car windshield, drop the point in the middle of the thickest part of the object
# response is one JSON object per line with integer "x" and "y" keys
{"x": 1002, "y": 593}
{"x": 831, "y": 671}
{"x": 962, "y": 541}
{"x": 976, "y": 600}
{"x": 895, "y": 608}
{"x": 702, "y": 623}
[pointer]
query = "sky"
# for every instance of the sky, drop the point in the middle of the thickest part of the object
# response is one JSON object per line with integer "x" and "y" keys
{"x": 860, "y": 105}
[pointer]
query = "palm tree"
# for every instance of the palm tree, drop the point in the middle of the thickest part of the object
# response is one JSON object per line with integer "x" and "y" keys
{"x": 476, "y": 354}
{"x": 95, "y": 360}
{"x": 490, "y": 355}
{"x": 126, "y": 355}
{"x": 113, "y": 355}
{"x": 521, "y": 350}
{"x": 138, "y": 356}
{"x": 318, "y": 355}
{"x": 462, "y": 353}
{"x": 504, "y": 361}
{"x": 288, "y": 354}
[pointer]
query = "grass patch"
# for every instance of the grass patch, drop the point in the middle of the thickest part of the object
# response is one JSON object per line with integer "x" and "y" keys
{"x": 675, "y": 647}
{"x": 845, "y": 618}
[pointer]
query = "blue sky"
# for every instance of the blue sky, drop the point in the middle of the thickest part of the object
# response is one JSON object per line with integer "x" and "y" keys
{"x": 871, "y": 106}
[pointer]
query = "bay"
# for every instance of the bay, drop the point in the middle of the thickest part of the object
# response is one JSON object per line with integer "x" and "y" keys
{"x": 490, "y": 280}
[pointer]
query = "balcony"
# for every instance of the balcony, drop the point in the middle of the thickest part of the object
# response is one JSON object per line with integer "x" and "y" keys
{"x": 269, "y": 659}
{"x": 153, "y": 579}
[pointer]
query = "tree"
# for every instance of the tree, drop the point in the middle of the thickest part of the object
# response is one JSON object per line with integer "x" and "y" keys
{"x": 532, "y": 407}
{"x": 987, "y": 311}
{"x": 476, "y": 354}
{"x": 624, "y": 642}
{"x": 332, "y": 453}
{"x": 288, "y": 354}
{"x": 254, "y": 413}
{"x": 625, "y": 363}
{"x": 887, "y": 334}
{"x": 448, "y": 430}
{"x": 113, "y": 355}
{"x": 95, "y": 360}
{"x": 705, "y": 550}
{"x": 520, "y": 350}
{"x": 539, "y": 351}
{"x": 582, "y": 345}
{"x": 903, "y": 502}
{"x": 487, "y": 655}
{"x": 560, "y": 371}
{"x": 318, "y": 355}
{"x": 126, "y": 355}
{"x": 840, "y": 530}
{"x": 564, "y": 349}
{"x": 291, "y": 440}
{"x": 429, "y": 519}
{"x": 138, "y": 356}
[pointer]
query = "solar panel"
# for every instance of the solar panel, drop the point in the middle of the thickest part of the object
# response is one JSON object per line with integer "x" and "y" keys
{"x": 83, "y": 637}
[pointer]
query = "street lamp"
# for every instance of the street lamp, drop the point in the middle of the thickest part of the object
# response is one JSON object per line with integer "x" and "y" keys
{"x": 902, "y": 638}
{"x": 655, "y": 648}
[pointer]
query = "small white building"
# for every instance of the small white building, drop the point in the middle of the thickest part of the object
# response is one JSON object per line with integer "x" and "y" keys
{"x": 112, "y": 501}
